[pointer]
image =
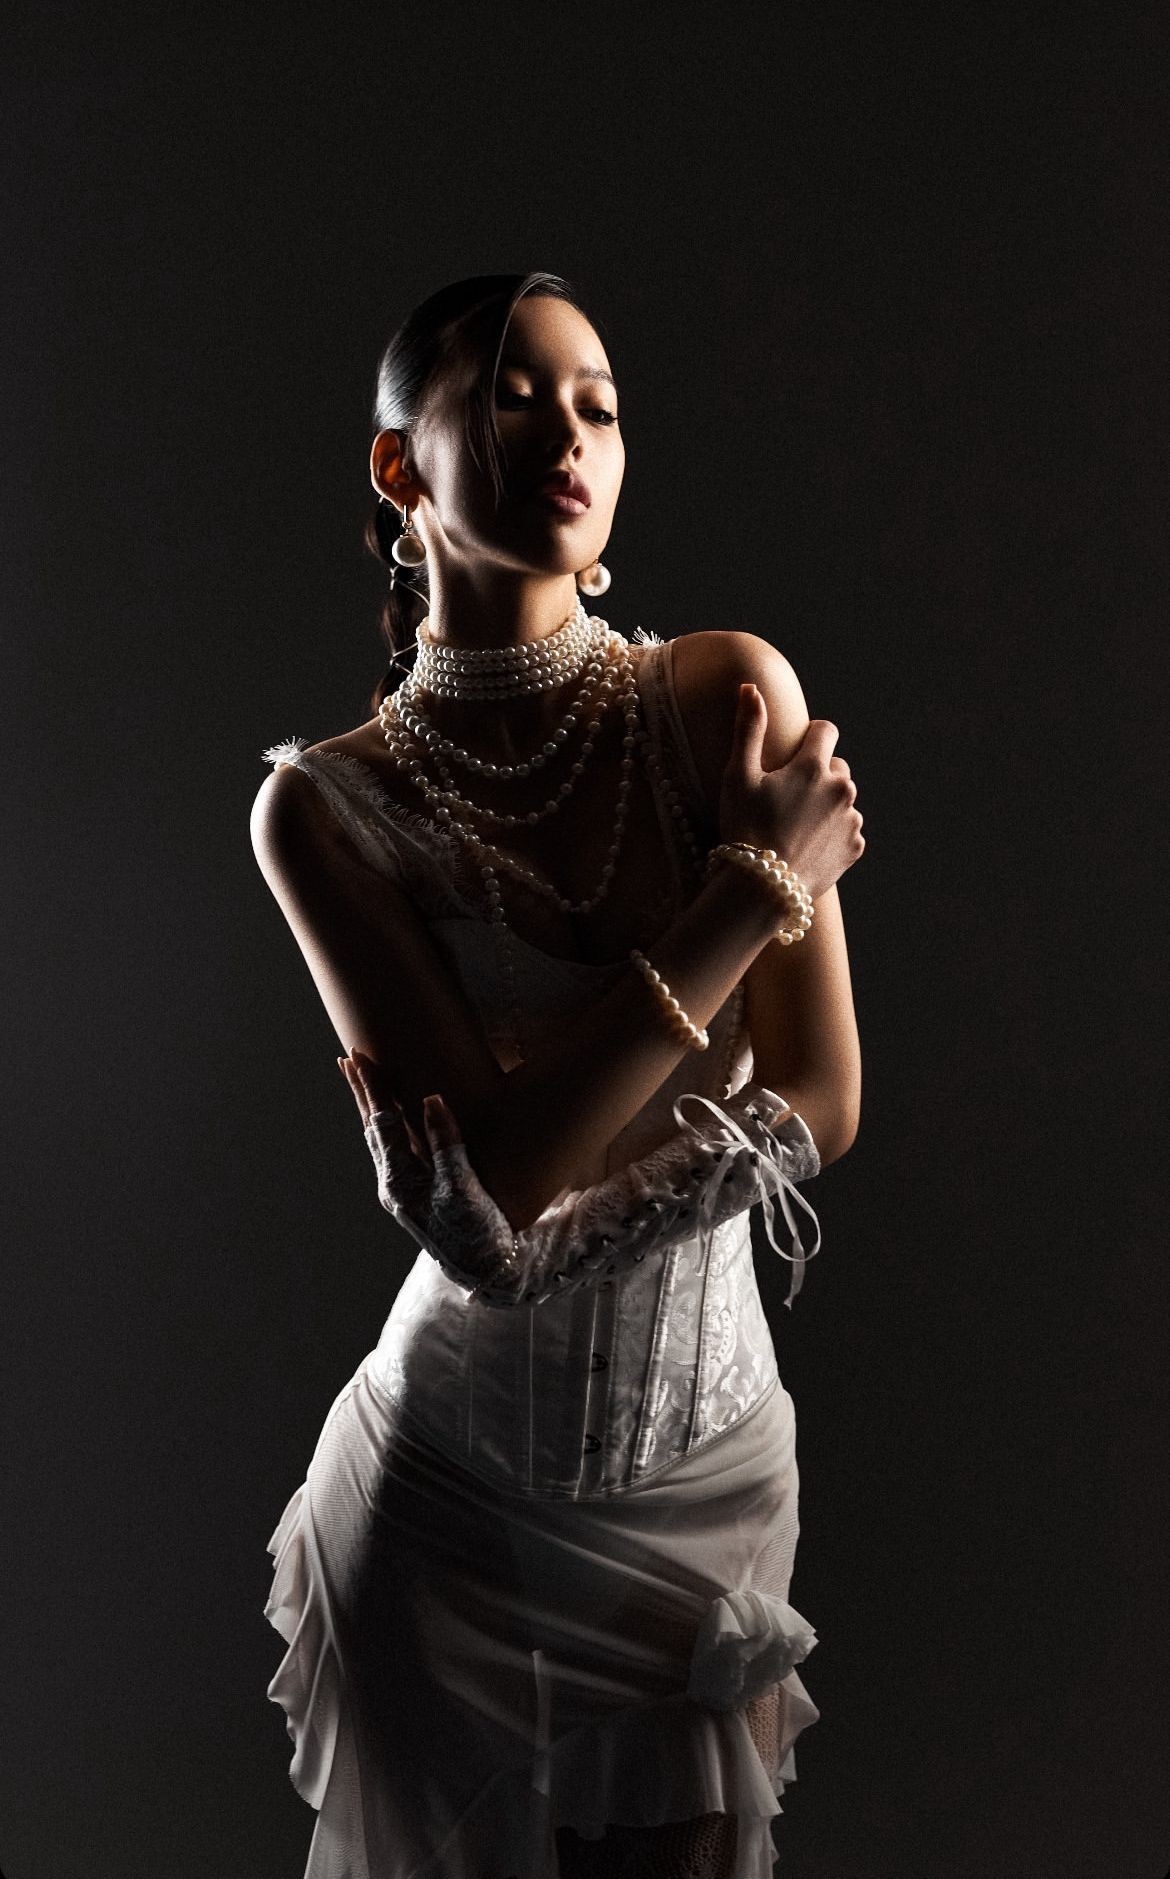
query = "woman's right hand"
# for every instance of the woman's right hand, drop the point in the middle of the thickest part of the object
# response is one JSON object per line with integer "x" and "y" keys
{"x": 804, "y": 810}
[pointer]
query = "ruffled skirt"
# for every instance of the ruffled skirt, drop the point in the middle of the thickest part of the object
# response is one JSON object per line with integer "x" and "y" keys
{"x": 481, "y": 1685}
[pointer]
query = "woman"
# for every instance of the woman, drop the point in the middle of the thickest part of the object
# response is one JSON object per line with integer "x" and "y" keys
{"x": 534, "y": 1586}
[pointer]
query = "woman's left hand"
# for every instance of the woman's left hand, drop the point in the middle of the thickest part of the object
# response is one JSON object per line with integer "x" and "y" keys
{"x": 372, "y": 1092}
{"x": 430, "y": 1188}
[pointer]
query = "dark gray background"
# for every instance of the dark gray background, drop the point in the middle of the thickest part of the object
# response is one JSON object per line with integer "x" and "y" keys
{"x": 884, "y": 292}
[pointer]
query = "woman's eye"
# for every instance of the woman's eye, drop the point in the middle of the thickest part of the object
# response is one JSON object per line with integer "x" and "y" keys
{"x": 526, "y": 397}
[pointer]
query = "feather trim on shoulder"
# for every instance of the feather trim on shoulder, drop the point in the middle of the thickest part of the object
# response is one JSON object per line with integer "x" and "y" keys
{"x": 288, "y": 752}
{"x": 642, "y": 637}
{"x": 363, "y": 784}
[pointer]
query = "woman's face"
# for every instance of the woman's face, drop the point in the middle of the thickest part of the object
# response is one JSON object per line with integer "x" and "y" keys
{"x": 556, "y": 407}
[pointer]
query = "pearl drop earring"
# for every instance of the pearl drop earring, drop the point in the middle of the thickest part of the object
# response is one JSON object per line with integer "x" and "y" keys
{"x": 410, "y": 551}
{"x": 594, "y": 581}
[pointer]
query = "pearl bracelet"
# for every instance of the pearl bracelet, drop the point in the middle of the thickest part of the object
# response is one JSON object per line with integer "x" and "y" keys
{"x": 679, "y": 1022}
{"x": 787, "y": 886}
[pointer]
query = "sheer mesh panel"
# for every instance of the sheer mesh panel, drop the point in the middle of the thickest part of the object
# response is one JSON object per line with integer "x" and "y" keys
{"x": 773, "y": 1568}
{"x": 703, "y": 1848}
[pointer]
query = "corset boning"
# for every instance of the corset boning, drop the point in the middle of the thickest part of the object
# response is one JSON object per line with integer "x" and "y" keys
{"x": 587, "y": 1393}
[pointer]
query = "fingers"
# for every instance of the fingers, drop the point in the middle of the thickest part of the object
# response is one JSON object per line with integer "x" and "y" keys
{"x": 404, "y": 1182}
{"x": 751, "y": 722}
{"x": 378, "y": 1095}
{"x": 371, "y": 1091}
{"x": 819, "y": 739}
{"x": 353, "y": 1077}
{"x": 440, "y": 1124}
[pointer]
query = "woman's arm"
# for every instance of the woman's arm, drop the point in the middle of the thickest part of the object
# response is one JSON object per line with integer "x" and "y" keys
{"x": 391, "y": 995}
{"x": 798, "y": 999}
{"x": 752, "y": 1148}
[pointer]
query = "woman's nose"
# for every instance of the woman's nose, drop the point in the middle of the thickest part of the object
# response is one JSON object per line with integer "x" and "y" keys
{"x": 571, "y": 425}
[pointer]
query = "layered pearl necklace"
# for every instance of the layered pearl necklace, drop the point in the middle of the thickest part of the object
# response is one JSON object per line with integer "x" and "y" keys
{"x": 601, "y": 671}
{"x": 584, "y": 646}
{"x": 504, "y": 671}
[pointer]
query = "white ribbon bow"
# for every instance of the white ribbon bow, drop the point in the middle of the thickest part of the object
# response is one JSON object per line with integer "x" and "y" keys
{"x": 784, "y": 1186}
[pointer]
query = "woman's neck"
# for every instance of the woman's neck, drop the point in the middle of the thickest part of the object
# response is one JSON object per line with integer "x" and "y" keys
{"x": 478, "y": 614}
{"x": 498, "y": 608}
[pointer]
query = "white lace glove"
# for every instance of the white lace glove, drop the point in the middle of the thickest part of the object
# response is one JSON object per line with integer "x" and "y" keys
{"x": 698, "y": 1179}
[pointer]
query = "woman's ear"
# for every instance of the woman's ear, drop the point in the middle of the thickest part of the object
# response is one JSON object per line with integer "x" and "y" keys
{"x": 388, "y": 471}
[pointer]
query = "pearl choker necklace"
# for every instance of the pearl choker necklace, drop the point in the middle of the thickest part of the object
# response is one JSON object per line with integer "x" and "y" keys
{"x": 402, "y": 707}
{"x": 504, "y": 671}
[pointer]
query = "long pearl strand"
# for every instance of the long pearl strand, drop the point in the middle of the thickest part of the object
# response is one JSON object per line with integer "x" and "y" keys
{"x": 511, "y": 671}
{"x": 439, "y": 799}
{"x": 405, "y": 704}
{"x": 428, "y": 739}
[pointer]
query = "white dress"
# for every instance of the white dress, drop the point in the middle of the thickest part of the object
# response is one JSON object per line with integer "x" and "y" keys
{"x": 533, "y": 1588}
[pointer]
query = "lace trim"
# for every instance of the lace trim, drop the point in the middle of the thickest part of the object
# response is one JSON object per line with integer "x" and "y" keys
{"x": 366, "y": 786}
{"x": 681, "y": 759}
{"x": 435, "y": 863}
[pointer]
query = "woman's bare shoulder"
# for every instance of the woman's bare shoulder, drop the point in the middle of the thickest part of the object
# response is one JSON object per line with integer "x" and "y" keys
{"x": 709, "y": 668}
{"x": 363, "y": 742}
{"x": 289, "y": 810}
{"x": 364, "y": 745}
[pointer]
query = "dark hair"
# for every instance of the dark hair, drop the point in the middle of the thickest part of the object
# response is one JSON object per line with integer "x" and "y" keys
{"x": 457, "y": 332}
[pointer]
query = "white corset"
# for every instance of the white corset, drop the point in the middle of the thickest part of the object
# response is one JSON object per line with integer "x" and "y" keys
{"x": 588, "y": 1393}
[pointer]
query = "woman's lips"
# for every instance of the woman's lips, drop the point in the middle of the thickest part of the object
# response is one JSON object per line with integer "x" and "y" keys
{"x": 564, "y": 505}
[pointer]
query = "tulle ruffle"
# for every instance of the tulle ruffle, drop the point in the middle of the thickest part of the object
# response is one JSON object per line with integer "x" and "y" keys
{"x": 747, "y": 1640}
{"x": 308, "y": 1681}
{"x": 670, "y": 1758}
{"x": 642, "y": 1767}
